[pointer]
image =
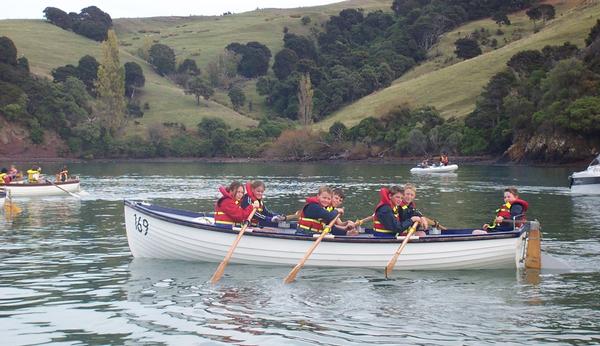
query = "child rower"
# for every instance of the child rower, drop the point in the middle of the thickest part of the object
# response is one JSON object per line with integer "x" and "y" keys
{"x": 263, "y": 217}
{"x": 340, "y": 227}
{"x": 513, "y": 209}
{"x": 228, "y": 211}
{"x": 409, "y": 209}
{"x": 314, "y": 216}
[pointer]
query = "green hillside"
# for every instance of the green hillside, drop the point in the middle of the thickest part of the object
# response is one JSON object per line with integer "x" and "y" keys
{"x": 47, "y": 47}
{"x": 453, "y": 89}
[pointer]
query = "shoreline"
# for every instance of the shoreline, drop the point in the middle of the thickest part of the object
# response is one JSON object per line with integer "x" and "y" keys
{"x": 461, "y": 160}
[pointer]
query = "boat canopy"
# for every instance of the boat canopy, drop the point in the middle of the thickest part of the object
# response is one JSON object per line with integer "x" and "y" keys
{"x": 596, "y": 161}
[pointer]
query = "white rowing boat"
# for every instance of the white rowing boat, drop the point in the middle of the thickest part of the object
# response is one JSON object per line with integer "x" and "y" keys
{"x": 2, "y": 197}
{"x": 434, "y": 169}
{"x": 41, "y": 189}
{"x": 165, "y": 233}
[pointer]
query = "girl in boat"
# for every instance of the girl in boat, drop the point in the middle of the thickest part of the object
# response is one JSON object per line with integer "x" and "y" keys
{"x": 228, "y": 211}
{"x": 387, "y": 222}
{"x": 314, "y": 215}
{"x": 513, "y": 209}
{"x": 263, "y": 217}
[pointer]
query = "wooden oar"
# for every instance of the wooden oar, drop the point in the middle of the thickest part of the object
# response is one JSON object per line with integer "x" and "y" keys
{"x": 70, "y": 193}
{"x": 221, "y": 268}
{"x": 435, "y": 222}
{"x": 394, "y": 259}
{"x": 292, "y": 275}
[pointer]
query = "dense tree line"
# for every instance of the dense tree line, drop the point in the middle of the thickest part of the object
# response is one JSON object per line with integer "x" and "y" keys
{"x": 359, "y": 53}
{"x": 553, "y": 91}
{"x": 91, "y": 22}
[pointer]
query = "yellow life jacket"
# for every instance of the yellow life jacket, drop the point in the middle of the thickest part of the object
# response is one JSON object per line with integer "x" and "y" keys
{"x": 33, "y": 175}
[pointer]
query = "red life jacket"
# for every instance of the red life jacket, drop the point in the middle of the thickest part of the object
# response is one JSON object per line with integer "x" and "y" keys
{"x": 504, "y": 211}
{"x": 221, "y": 218}
{"x": 314, "y": 225}
{"x": 384, "y": 199}
{"x": 444, "y": 160}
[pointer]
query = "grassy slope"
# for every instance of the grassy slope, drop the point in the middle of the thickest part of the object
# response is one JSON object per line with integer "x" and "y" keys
{"x": 204, "y": 38}
{"x": 47, "y": 47}
{"x": 453, "y": 89}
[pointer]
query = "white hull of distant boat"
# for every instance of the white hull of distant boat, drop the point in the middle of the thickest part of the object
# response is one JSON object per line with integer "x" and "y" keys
{"x": 588, "y": 181}
{"x": 434, "y": 169}
{"x": 41, "y": 189}
{"x": 165, "y": 233}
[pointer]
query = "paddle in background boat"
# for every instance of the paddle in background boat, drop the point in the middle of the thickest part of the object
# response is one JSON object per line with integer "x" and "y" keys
{"x": 70, "y": 193}
{"x": 292, "y": 275}
{"x": 221, "y": 268}
{"x": 394, "y": 259}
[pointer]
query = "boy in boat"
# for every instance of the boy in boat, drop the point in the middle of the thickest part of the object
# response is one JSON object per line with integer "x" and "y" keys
{"x": 34, "y": 174}
{"x": 409, "y": 212}
{"x": 263, "y": 217}
{"x": 228, "y": 211}
{"x": 513, "y": 209}
{"x": 444, "y": 161}
{"x": 13, "y": 173}
{"x": 4, "y": 177}
{"x": 62, "y": 175}
{"x": 340, "y": 227}
{"x": 314, "y": 216}
{"x": 387, "y": 222}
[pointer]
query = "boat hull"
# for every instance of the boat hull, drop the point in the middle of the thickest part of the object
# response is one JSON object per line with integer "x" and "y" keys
{"x": 158, "y": 235}
{"x": 437, "y": 169}
{"x": 43, "y": 189}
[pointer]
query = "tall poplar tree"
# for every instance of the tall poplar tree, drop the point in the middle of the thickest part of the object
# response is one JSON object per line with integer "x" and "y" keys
{"x": 111, "y": 85}
{"x": 305, "y": 99}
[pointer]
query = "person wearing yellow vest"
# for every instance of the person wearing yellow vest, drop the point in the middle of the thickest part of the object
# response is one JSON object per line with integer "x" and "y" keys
{"x": 228, "y": 211}
{"x": 314, "y": 215}
{"x": 4, "y": 177}
{"x": 387, "y": 220}
{"x": 263, "y": 216}
{"x": 33, "y": 174}
{"x": 513, "y": 208}
{"x": 340, "y": 227}
{"x": 408, "y": 209}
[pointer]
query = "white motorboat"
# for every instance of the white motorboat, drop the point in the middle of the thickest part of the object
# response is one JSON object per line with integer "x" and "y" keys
{"x": 165, "y": 233}
{"x": 16, "y": 189}
{"x": 435, "y": 169}
{"x": 588, "y": 181}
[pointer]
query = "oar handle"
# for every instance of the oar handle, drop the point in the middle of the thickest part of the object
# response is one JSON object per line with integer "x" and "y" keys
{"x": 390, "y": 266}
{"x": 361, "y": 221}
{"x": 221, "y": 268}
{"x": 292, "y": 275}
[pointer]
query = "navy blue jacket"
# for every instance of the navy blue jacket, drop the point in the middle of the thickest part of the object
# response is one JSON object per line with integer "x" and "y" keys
{"x": 264, "y": 216}
{"x": 385, "y": 215}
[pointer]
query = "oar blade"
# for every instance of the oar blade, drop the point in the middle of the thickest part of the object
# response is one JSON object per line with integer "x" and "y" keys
{"x": 292, "y": 275}
{"x": 218, "y": 273}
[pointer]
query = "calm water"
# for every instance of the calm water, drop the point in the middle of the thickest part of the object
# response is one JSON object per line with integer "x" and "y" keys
{"x": 67, "y": 276}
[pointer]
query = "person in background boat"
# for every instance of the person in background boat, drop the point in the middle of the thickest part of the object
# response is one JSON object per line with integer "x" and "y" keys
{"x": 314, "y": 216}
{"x": 13, "y": 173}
{"x": 408, "y": 210}
{"x": 263, "y": 217}
{"x": 444, "y": 161}
{"x": 4, "y": 177}
{"x": 386, "y": 222}
{"x": 424, "y": 163}
{"x": 228, "y": 209}
{"x": 513, "y": 209}
{"x": 34, "y": 174}
{"x": 340, "y": 227}
{"x": 62, "y": 175}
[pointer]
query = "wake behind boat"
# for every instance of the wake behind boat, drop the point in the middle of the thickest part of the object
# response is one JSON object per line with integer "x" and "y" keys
{"x": 435, "y": 169}
{"x": 588, "y": 181}
{"x": 16, "y": 189}
{"x": 166, "y": 233}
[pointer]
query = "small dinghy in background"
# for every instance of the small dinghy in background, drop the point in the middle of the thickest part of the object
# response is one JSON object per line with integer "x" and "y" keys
{"x": 588, "y": 181}
{"x": 41, "y": 189}
{"x": 434, "y": 169}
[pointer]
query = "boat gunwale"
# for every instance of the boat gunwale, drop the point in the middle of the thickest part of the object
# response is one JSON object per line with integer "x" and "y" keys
{"x": 136, "y": 205}
{"x": 11, "y": 185}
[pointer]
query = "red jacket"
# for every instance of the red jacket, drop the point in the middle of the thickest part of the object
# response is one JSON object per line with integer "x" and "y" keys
{"x": 228, "y": 211}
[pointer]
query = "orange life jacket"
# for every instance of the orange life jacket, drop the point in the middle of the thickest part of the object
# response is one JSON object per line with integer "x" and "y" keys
{"x": 504, "y": 211}
{"x": 384, "y": 199}
{"x": 314, "y": 225}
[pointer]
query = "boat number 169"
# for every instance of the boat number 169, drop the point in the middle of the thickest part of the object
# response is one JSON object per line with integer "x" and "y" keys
{"x": 141, "y": 224}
